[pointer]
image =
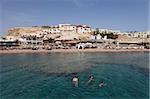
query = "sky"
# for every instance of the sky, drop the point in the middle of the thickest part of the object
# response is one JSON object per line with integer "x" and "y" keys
{"x": 124, "y": 15}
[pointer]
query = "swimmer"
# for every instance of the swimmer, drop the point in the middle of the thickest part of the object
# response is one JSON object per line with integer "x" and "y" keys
{"x": 102, "y": 84}
{"x": 75, "y": 81}
{"x": 91, "y": 78}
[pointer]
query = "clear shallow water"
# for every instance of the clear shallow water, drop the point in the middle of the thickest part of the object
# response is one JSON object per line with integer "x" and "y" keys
{"x": 48, "y": 75}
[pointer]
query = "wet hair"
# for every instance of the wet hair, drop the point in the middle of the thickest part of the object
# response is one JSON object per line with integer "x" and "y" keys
{"x": 75, "y": 75}
{"x": 90, "y": 76}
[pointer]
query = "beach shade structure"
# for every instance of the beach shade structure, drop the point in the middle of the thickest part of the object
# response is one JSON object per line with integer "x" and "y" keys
{"x": 72, "y": 43}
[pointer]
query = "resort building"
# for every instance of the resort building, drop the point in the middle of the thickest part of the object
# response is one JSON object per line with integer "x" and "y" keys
{"x": 83, "y": 29}
{"x": 140, "y": 35}
{"x": 52, "y": 30}
{"x": 8, "y": 42}
{"x": 30, "y": 41}
{"x": 36, "y": 34}
{"x": 95, "y": 37}
{"x": 109, "y": 31}
{"x": 67, "y": 27}
{"x": 73, "y": 36}
{"x": 136, "y": 34}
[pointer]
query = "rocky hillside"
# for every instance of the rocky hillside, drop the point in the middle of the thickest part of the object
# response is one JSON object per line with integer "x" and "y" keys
{"x": 16, "y": 32}
{"x": 22, "y": 30}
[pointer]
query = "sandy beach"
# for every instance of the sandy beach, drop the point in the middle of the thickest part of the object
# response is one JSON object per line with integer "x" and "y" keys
{"x": 71, "y": 50}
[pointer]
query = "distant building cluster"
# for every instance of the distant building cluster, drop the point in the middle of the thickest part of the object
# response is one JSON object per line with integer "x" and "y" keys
{"x": 109, "y": 31}
{"x": 63, "y": 28}
{"x": 68, "y": 36}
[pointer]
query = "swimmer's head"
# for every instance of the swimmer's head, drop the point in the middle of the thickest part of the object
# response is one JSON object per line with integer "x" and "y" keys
{"x": 91, "y": 76}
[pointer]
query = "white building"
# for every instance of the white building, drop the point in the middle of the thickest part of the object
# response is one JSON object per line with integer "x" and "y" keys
{"x": 52, "y": 30}
{"x": 105, "y": 38}
{"x": 31, "y": 41}
{"x": 83, "y": 29}
{"x": 10, "y": 38}
{"x": 140, "y": 35}
{"x": 108, "y": 31}
{"x": 136, "y": 34}
{"x": 98, "y": 37}
{"x": 115, "y": 31}
{"x": 92, "y": 37}
{"x": 67, "y": 27}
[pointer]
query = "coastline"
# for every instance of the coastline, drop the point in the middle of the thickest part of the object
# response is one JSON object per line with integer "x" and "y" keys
{"x": 71, "y": 50}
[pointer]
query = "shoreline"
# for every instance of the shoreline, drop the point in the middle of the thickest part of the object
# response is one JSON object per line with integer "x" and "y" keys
{"x": 71, "y": 50}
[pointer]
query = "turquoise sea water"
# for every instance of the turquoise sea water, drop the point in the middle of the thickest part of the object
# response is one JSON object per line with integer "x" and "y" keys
{"x": 48, "y": 75}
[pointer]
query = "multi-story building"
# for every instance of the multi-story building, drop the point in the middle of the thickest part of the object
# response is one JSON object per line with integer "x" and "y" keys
{"x": 8, "y": 42}
{"x": 136, "y": 34}
{"x": 83, "y": 29}
{"x": 109, "y": 31}
{"x": 67, "y": 27}
{"x": 30, "y": 41}
{"x": 140, "y": 35}
{"x": 75, "y": 28}
{"x": 52, "y": 30}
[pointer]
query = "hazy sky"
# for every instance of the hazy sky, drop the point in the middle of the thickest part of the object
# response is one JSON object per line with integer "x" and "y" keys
{"x": 125, "y": 15}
